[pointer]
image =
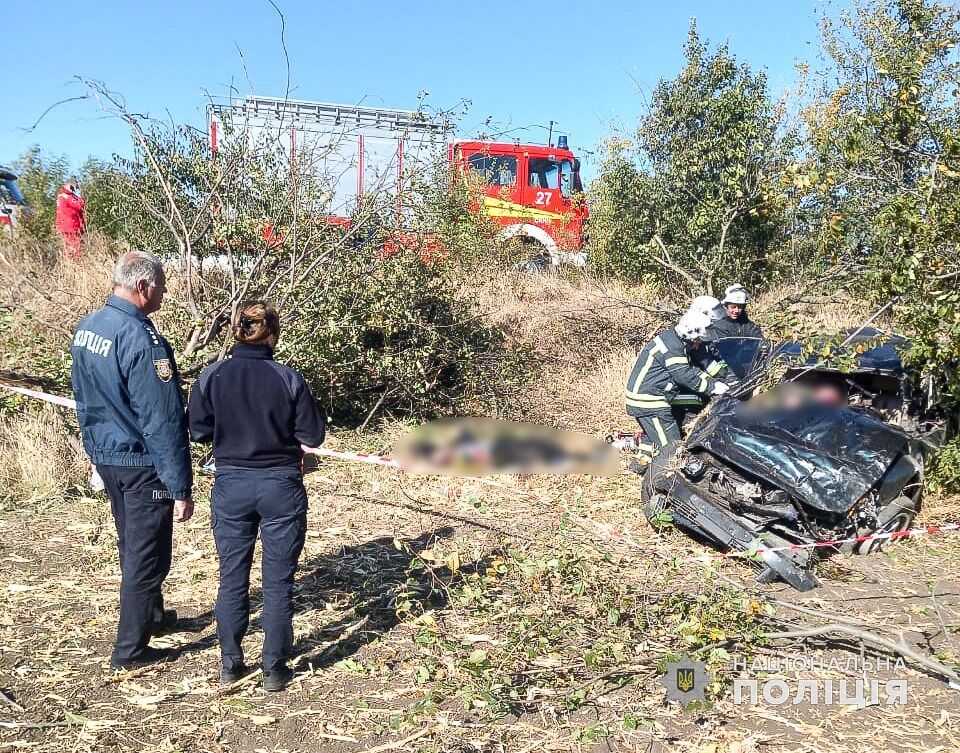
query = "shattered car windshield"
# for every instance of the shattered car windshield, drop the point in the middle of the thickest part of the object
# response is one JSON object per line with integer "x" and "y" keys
{"x": 739, "y": 353}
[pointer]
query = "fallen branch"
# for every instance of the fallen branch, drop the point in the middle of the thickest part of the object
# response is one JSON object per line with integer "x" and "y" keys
{"x": 245, "y": 680}
{"x": 400, "y": 743}
{"x": 849, "y": 630}
{"x": 11, "y": 703}
{"x": 872, "y": 638}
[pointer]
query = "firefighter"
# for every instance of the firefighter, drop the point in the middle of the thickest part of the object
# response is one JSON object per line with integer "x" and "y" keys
{"x": 685, "y": 402}
{"x": 70, "y": 221}
{"x": 258, "y": 414}
{"x": 662, "y": 368}
{"x": 735, "y": 323}
{"x": 134, "y": 429}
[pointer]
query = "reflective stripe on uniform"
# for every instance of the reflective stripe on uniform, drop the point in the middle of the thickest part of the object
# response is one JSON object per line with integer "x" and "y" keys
{"x": 656, "y": 346}
{"x": 639, "y": 400}
{"x": 686, "y": 400}
{"x": 714, "y": 367}
{"x": 660, "y": 434}
{"x": 645, "y": 452}
{"x": 704, "y": 382}
{"x": 676, "y": 361}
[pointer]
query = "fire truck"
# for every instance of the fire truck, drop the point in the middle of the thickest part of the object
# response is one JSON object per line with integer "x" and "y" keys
{"x": 533, "y": 193}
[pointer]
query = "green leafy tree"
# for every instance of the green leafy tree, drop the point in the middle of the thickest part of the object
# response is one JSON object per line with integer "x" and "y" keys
{"x": 885, "y": 170}
{"x": 701, "y": 202}
{"x": 371, "y": 313}
{"x": 40, "y": 177}
{"x": 101, "y": 182}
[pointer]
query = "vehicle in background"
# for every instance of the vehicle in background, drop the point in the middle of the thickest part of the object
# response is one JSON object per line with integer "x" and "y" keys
{"x": 12, "y": 201}
{"x": 532, "y": 192}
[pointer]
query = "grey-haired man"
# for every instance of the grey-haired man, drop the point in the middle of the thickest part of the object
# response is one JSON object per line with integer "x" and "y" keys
{"x": 134, "y": 429}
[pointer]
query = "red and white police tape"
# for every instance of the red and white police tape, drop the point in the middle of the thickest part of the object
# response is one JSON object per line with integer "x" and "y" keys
{"x": 388, "y": 462}
{"x": 749, "y": 553}
{"x": 66, "y": 402}
{"x": 357, "y": 457}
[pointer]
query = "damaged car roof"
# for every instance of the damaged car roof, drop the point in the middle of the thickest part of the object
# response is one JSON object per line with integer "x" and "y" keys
{"x": 882, "y": 351}
{"x": 829, "y": 457}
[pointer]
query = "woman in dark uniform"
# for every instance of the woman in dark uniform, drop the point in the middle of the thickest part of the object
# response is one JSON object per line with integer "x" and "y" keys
{"x": 257, "y": 413}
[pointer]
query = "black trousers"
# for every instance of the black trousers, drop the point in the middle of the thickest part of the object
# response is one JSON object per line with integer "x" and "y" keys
{"x": 659, "y": 429}
{"x": 273, "y": 501}
{"x": 143, "y": 512}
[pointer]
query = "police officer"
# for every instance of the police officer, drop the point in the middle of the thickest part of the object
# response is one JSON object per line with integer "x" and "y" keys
{"x": 257, "y": 413}
{"x": 735, "y": 323}
{"x": 134, "y": 429}
{"x": 662, "y": 368}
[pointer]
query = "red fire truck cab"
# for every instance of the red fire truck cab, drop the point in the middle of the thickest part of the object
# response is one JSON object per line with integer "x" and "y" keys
{"x": 532, "y": 192}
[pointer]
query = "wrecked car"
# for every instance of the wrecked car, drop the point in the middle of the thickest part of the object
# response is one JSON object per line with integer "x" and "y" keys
{"x": 834, "y": 450}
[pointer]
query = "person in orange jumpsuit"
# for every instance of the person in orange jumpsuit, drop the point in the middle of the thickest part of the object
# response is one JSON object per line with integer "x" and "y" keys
{"x": 70, "y": 219}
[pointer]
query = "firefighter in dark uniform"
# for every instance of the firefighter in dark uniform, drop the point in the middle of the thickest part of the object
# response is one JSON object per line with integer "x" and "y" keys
{"x": 685, "y": 402}
{"x": 134, "y": 429}
{"x": 662, "y": 368}
{"x": 735, "y": 323}
{"x": 258, "y": 414}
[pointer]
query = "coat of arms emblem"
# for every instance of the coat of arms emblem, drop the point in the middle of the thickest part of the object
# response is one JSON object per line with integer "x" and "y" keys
{"x": 685, "y": 680}
{"x": 164, "y": 369}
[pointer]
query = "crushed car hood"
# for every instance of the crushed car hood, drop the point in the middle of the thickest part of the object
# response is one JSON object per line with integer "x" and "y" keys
{"x": 827, "y": 457}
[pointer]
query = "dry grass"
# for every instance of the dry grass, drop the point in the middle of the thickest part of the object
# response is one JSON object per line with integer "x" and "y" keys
{"x": 582, "y": 334}
{"x": 34, "y": 277}
{"x": 43, "y": 298}
{"x": 42, "y": 458}
{"x": 811, "y": 312}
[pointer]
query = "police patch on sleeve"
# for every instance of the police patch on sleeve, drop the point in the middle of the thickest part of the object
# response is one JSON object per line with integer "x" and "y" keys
{"x": 164, "y": 369}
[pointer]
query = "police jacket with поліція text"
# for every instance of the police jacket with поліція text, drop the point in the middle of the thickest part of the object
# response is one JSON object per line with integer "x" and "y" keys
{"x": 129, "y": 405}
{"x": 662, "y": 368}
{"x": 257, "y": 412}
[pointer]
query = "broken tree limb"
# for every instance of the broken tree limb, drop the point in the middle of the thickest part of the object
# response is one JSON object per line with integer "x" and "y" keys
{"x": 806, "y": 631}
{"x": 871, "y": 638}
{"x": 7, "y": 700}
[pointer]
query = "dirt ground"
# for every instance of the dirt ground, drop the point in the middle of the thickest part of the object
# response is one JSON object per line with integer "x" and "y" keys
{"x": 437, "y": 614}
{"x": 443, "y": 615}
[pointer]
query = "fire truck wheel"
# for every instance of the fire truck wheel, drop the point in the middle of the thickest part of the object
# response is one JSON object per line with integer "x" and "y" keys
{"x": 535, "y": 265}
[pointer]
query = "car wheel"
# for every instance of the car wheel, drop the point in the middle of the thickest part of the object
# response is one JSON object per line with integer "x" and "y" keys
{"x": 897, "y": 515}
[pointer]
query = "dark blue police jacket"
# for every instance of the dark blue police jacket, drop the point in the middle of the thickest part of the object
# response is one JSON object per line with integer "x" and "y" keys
{"x": 125, "y": 382}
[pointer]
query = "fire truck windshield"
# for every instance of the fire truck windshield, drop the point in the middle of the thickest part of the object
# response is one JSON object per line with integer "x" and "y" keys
{"x": 494, "y": 170}
{"x": 544, "y": 173}
{"x": 569, "y": 180}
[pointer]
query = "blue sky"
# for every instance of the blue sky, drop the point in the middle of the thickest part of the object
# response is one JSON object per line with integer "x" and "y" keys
{"x": 586, "y": 65}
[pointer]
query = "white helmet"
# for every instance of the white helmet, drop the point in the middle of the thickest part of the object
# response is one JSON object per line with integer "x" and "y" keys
{"x": 693, "y": 326}
{"x": 736, "y": 293}
{"x": 707, "y": 304}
